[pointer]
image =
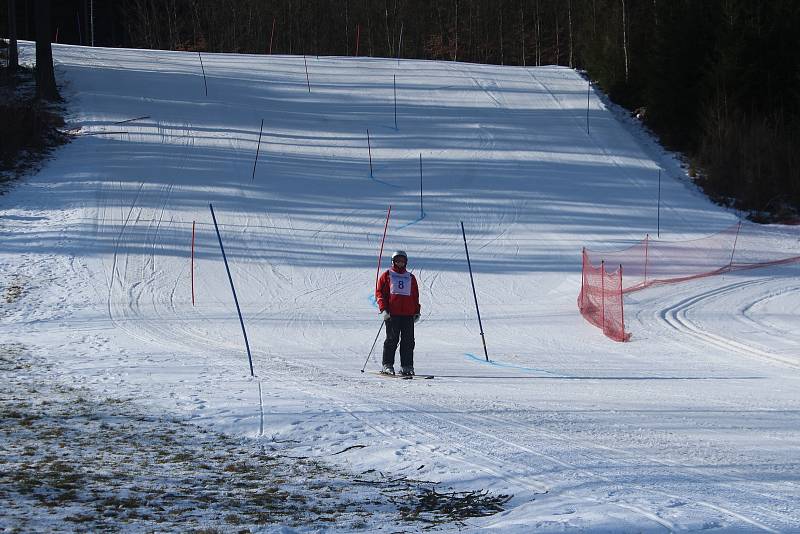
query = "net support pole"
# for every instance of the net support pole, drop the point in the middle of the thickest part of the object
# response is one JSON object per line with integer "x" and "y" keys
{"x": 658, "y": 216}
{"x": 646, "y": 252}
{"x": 735, "y": 239}
{"x": 584, "y": 282}
{"x": 233, "y": 290}
{"x": 474, "y": 294}
{"x": 603, "y": 295}
{"x": 581, "y": 295}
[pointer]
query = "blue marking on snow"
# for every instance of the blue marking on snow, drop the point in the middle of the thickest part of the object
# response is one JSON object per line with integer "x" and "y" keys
{"x": 372, "y": 177}
{"x": 415, "y": 221}
{"x": 495, "y": 363}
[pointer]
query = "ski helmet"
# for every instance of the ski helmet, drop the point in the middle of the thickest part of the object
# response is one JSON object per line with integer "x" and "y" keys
{"x": 399, "y": 254}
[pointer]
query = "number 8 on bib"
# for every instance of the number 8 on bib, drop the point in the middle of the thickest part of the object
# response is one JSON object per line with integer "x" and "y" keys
{"x": 400, "y": 283}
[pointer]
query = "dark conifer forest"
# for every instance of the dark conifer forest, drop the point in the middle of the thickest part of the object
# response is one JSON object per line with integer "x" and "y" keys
{"x": 718, "y": 80}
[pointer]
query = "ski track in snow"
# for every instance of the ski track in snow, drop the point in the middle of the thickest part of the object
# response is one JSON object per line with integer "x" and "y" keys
{"x": 679, "y": 317}
{"x": 470, "y": 444}
{"x": 636, "y": 436}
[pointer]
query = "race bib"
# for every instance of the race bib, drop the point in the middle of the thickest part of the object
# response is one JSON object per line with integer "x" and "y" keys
{"x": 400, "y": 284}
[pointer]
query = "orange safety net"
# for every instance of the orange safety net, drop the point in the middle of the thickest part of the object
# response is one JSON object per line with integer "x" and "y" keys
{"x": 600, "y": 299}
{"x": 650, "y": 262}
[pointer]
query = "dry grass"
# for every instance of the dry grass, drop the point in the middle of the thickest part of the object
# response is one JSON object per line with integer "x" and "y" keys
{"x": 29, "y": 128}
{"x": 73, "y": 461}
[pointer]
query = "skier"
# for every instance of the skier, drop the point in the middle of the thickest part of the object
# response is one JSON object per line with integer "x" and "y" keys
{"x": 397, "y": 295}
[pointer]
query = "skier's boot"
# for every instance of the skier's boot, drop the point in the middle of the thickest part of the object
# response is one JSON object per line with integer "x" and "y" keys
{"x": 388, "y": 369}
{"x": 407, "y": 370}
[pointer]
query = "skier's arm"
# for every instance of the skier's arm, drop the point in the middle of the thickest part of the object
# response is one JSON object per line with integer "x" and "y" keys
{"x": 415, "y": 293}
{"x": 380, "y": 291}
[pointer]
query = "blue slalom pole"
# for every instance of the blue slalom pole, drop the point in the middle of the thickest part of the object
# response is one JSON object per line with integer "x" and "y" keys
{"x": 258, "y": 149}
{"x": 233, "y": 289}
{"x": 421, "y": 209}
{"x": 475, "y": 295}
{"x": 205, "y": 83}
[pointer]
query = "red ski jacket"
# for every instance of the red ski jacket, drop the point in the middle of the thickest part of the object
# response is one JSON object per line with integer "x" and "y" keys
{"x": 397, "y": 291}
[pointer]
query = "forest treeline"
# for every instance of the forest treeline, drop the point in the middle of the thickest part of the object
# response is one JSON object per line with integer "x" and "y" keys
{"x": 718, "y": 80}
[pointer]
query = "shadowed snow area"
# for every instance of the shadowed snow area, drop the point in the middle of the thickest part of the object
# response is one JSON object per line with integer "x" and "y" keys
{"x": 692, "y": 425}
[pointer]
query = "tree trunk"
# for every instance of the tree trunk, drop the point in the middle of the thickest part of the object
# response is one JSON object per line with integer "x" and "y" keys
{"x": 522, "y": 24}
{"x": 558, "y": 37}
{"x": 389, "y": 47}
{"x": 569, "y": 18}
{"x": 502, "y": 59}
{"x": 45, "y": 75}
{"x": 625, "y": 40}
{"x": 538, "y": 36}
{"x": 13, "y": 54}
{"x": 455, "y": 55}
{"x": 83, "y": 31}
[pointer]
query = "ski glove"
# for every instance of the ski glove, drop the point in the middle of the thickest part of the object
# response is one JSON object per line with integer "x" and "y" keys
{"x": 416, "y": 317}
{"x": 385, "y": 315}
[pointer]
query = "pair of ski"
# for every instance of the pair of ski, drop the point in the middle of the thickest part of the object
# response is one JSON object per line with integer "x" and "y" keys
{"x": 403, "y": 377}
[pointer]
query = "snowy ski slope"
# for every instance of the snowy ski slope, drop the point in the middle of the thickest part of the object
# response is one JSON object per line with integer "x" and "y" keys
{"x": 693, "y": 425}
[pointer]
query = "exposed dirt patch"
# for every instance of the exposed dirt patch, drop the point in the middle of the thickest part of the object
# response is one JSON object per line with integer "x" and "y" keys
{"x": 30, "y": 129}
{"x": 13, "y": 292}
{"x": 72, "y": 461}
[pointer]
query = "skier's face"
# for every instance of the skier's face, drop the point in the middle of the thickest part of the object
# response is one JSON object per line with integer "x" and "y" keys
{"x": 400, "y": 262}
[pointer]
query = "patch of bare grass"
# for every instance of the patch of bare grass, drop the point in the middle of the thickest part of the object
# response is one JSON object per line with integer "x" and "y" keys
{"x": 31, "y": 128}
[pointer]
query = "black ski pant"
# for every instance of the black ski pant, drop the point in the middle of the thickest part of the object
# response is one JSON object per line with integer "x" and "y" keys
{"x": 399, "y": 329}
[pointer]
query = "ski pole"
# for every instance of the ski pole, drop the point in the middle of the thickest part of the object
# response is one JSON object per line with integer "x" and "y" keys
{"x": 373, "y": 347}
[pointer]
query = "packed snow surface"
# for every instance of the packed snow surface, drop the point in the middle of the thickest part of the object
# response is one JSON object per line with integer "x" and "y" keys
{"x": 692, "y": 425}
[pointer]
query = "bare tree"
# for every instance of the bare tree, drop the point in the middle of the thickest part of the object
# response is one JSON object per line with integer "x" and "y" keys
{"x": 389, "y": 47}
{"x": 522, "y": 24}
{"x": 625, "y": 41}
{"x": 557, "y": 36}
{"x": 455, "y": 55}
{"x": 13, "y": 54}
{"x": 45, "y": 74}
{"x": 502, "y": 60}
{"x": 569, "y": 17}
{"x": 538, "y": 36}
{"x": 655, "y": 13}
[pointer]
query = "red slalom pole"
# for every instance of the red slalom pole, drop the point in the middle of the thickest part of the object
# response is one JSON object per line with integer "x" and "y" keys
{"x": 193, "y": 223}
{"x": 380, "y": 255}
